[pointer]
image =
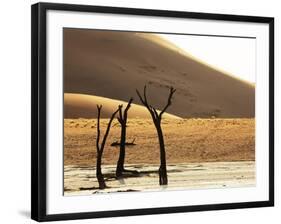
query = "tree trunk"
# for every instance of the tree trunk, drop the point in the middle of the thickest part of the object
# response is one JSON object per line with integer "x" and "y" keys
{"x": 120, "y": 164}
{"x": 163, "y": 179}
{"x": 156, "y": 117}
{"x": 99, "y": 174}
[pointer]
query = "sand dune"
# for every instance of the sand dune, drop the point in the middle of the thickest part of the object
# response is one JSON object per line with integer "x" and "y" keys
{"x": 114, "y": 64}
{"x": 84, "y": 106}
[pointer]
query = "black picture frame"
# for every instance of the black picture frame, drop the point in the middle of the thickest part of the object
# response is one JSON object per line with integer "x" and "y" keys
{"x": 38, "y": 108}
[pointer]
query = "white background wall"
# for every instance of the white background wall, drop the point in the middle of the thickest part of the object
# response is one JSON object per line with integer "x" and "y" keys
{"x": 15, "y": 110}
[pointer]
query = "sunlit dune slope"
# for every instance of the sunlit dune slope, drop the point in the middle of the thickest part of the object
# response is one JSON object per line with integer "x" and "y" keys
{"x": 84, "y": 106}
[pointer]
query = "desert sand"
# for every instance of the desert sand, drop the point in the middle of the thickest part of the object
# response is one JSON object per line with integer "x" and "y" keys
{"x": 186, "y": 140}
{"x": 113, "y": 64}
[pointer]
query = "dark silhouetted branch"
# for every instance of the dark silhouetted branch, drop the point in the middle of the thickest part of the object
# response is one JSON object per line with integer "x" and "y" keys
{"x": 123, "y": 115}
{"x": 100, "y": 148}
{"x": 156, "y": 117}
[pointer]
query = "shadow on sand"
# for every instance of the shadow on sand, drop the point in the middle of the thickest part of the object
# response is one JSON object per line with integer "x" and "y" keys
{"x": 132, "y": 174}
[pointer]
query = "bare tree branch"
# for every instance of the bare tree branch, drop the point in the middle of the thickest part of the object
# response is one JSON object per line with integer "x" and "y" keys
{"x": 155, "y": 112}
{"x": 141, "y": 99}
{"x": 128, "y": 105}
{"x": 107, "y": 130}
{"x": 156, "y": 116}
{"x": 145, "y": 103}
{"x": 98, "y": 127}
{"x": 126, "y": 110}
{"x": 144, "y": 94}
{"x": 169, "y": 102}
{"x": 123, "y": 115}
{"x": 100, "y": 148}
{"x": 120, "y": 118}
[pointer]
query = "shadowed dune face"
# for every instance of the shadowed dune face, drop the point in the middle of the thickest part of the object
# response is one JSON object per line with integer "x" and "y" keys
{"x": 114, "y": 64}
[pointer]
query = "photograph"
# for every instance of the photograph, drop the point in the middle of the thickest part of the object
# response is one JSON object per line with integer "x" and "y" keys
{"x": 147, "y": 111}
{"x": 121, "y": 112}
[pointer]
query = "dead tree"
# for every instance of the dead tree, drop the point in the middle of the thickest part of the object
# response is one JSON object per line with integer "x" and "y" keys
{"x": 122, "y": 118}
{"x": 156, "y": 117}
{"x": 100, "y": 147}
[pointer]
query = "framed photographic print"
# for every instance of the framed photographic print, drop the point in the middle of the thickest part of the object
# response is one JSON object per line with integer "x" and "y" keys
{"x": 139, "y": 111}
